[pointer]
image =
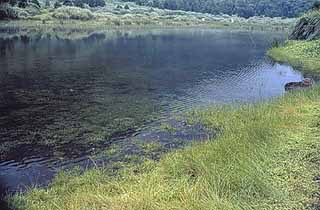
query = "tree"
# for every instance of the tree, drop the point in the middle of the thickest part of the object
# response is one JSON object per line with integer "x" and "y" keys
{"x": 316, "y": 5}
{"x": 244, "y": 8}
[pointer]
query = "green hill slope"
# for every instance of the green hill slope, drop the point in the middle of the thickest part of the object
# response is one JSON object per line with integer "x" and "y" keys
{"x": 244, "y": 8}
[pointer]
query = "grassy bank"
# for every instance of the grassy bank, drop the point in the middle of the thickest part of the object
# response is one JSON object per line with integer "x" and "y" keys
{"x": 264, "y": 158}
{"x": 300, "y": 54}
{"x": 303, "y": 55}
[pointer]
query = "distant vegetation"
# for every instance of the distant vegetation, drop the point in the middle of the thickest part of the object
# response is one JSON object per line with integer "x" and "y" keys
{"x": 14, "y": 9}
{"x": 114, "y": 13}
{"x": 72, "y": 13}
{"x": 243, "y": 8}
{"x": 23, "y": 9}
{"x": 82, "y": 3}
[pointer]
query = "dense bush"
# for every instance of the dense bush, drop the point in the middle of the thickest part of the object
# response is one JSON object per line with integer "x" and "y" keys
{"x": 68, "y": 3}
{"x": 94, "y": 3}
{"x": 36, "y": 2}
{"x": 75, "y": 13}
{"x": 81, "y": 3}
{"x": 22, "y": 3}
{"x": 57, "y": 5}
{"x": 19, "y": 9}
{"x": 316, "y": 5}
{"x": 7, "y": 12}
{"x": 47, "y": 4}
{"x": 13, "y": 2}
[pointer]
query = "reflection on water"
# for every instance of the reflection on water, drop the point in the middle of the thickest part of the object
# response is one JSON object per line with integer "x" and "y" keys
{"x": 63, "y": 99}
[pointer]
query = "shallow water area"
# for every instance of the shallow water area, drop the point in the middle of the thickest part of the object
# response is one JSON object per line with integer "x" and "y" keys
{"x": 70, "y": 95}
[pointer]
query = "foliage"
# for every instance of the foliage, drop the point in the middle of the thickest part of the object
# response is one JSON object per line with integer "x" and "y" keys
{"x": 244, "y": 8}
{"x": 8, "y": 12}
{"x": 316, "y": 5}
{"x": 24, "y": 3}
{"x": 117, "y": 14}
{"x": 301, "y": 54}
{"x": 80, "y": 3}
{"x": 57, "y": 5}
{"x": 47, "y": 4}
{"x": 276, "y": 43}
{"x": 19, "y": 9}
{"x": 74, "y": 13}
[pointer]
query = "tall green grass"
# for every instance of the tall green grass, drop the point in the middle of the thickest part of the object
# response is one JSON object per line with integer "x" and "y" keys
{"x": 263, "y": 158}
{"x": 301, "y": 54}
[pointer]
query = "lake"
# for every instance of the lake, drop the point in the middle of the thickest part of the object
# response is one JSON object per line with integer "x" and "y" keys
{"x": 68, "y": 95}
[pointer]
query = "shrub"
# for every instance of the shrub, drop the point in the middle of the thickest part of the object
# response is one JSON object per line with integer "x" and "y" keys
{"x": 95, "y": 3}
{"x": 8, "y": 12}
{"x": 79, "y": 4}
{"x": 57, "y": 5}
{"x": 23, "y": 14}
{"x": 316, "y": 5}
{"x": 13, "y": 2}
{"x": 36, "y": 2}
{"x": 74, "y": 13}
{"x": 91, "y": 3}
{"x": 47, "y": 4}
{"x": 23, "y": 3}
{"x": 117, "y": 22}
{"x": 275, "y": 43}
{"x": 68, "y": 3}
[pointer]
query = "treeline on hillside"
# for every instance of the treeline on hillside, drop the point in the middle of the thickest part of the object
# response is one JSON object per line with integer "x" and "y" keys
{"x": 79, "y": 3}
{"x": 16, "y": 9}
{"x": 243, "y": 8}
{"x": 21, "y": 3}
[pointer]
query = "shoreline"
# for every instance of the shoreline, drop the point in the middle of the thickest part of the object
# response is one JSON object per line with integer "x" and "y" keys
{"x": 86, "y": 26}
{"x": 302, "y": 55}
{"x": 261, "y": 147}
{"x": 266, "y": 158}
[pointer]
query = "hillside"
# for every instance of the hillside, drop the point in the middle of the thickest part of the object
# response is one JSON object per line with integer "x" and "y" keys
{"x": 244, "y": 8}
{"x": 51, "y": 14}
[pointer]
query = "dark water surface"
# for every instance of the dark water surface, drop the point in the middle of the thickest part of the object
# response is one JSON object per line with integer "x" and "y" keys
{"x": 66, "y": 96}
